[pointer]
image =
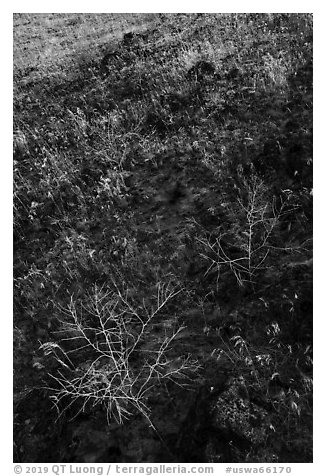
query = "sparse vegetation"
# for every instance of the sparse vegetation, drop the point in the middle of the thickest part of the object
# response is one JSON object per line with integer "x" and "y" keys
{"x": 122, "y": 359}
{"x": 163, "y": 237}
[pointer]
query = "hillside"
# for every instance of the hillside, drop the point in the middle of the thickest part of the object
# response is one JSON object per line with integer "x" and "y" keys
{"x": 163, "y": 238}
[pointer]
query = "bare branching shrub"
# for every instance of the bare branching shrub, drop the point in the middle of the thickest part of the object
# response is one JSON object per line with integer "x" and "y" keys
{"x": 109, "y": 355}
{"x": 244, "y": 248}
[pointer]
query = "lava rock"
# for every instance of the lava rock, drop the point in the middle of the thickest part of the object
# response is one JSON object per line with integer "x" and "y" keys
{"x": 201, "y": 70}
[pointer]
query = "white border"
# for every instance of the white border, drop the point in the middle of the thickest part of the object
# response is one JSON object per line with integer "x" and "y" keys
{"x": 168, "y": 6}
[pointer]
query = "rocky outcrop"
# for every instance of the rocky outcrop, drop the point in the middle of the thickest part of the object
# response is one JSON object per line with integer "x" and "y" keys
{"x": 224, "y": 427}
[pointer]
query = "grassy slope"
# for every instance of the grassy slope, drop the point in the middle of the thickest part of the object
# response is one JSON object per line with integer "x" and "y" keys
{"x": 144, "y": 171}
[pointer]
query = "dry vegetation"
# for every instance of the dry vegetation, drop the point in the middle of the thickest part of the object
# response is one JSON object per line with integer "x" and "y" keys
{"x": 163, "y": 237}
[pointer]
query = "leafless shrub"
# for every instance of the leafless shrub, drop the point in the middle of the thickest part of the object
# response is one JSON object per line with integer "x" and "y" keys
{"x": 255, "y": 220}
{"x": 108, "y": 355}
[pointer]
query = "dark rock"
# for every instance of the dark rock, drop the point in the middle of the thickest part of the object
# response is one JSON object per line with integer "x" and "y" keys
{"x": 128, "y": 38}
{"x": 303, "y": 77}
{"x": 234, "y": 413}
{"x": 223, "y": 425}
{"x": 201, "y": 70}
{"x": 233, "y": 73}
{"x": 176, "y": 193}
{"x": 270, "y": 158}
{"x": 176, "y": 102}
{"x": 91, "y": 445}
{"x": 155, "y": 121}
{"x": 109, "y": 60}
{"x": 296, "y": 159}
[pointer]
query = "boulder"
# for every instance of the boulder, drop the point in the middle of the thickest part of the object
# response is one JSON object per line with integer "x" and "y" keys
{"x": 224, "y": 426}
